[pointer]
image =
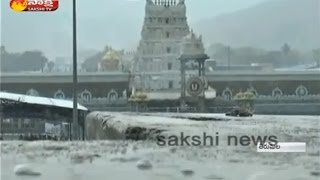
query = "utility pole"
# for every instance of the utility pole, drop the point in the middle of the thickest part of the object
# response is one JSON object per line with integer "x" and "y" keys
{"x": 229, "y": 63}
{"x": 75, "y": 134}
{"x": 316, "y": 54}
{"x": 183, "y": 83}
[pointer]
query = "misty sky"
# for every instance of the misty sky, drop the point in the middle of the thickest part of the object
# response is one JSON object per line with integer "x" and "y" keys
{"x": 97, "y": 10}
{"x": 196, "y": 9}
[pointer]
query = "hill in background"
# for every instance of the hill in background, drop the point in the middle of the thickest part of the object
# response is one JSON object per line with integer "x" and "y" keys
{"x": 267, "y": 25}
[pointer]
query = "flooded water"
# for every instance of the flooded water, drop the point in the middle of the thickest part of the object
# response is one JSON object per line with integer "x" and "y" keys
{"x": 123, "y": 160}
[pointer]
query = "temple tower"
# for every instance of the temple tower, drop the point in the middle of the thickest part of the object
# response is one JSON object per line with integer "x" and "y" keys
{"x": 165, "y": 26}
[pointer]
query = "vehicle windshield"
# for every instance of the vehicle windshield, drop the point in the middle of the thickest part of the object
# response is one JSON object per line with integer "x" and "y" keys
{"x": 160, "y": 89}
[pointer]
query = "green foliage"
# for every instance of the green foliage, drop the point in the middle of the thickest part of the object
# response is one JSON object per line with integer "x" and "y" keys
{"x": 283, "y": 57}
{"x": 286, "y": 49}
{"x": 91, "y": 63}
{"x": 3, "y": 50}
{"x": 51, "y": 65}
{"x": 138, "y": 97}
{"x": 26, "y": 61}
{"x": 246, "y": 96}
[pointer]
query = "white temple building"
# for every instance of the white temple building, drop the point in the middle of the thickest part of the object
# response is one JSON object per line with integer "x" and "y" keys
{"x": 165, "y": 31}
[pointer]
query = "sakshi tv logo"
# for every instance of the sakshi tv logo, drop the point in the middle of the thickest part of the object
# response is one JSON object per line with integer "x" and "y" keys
{"x": 34, "y": 5}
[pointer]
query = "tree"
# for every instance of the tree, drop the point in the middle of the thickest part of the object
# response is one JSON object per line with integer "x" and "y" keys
{"x": 33, "y": 60}
{"x": 316, "y": 55}
{"x": 241, "y": 55}
{"x": 246, "y": 55}
{"x": 218, "y": 52}
{"x": 3, "y": 50}
{"x": 51, "y": 65}
{"x": 10, "y": 62}
{"x": 286, "y": 49}
{"x": 27, "y": 61}
{"x": 272, "y": 57}
{"x": 91, "y": 63}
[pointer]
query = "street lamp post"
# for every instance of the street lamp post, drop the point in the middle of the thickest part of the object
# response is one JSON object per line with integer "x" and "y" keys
{"x": 75, "y": 135}
{"x": 229, "y": 60}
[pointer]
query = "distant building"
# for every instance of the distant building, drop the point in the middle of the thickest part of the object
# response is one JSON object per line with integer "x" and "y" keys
{"x": 127, "y": 60}
{"x": 62, "y": 64}
{"x": 113, "y": 60}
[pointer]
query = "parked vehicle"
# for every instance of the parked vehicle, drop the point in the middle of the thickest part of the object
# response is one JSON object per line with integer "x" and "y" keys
{"x": 239, "y": 113}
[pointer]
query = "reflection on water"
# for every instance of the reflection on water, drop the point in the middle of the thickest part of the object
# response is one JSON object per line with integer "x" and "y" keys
{"x": 118, "y": 160}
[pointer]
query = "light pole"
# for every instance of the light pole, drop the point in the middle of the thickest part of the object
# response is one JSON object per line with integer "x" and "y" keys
{"x": 229, "y": 60}
{"x": 75, "y": 135}
{"x": 316, "y": 54}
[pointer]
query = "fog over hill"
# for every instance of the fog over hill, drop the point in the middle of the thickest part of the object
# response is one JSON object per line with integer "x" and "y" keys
{"x": 261, "y": 23}
{"x": 267, "y": 25}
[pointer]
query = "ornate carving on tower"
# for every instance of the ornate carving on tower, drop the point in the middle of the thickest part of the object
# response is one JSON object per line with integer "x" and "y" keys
{"x": 192, "y": 45}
